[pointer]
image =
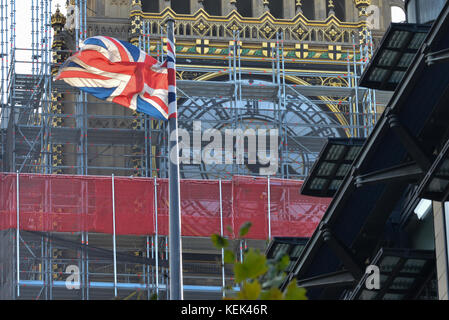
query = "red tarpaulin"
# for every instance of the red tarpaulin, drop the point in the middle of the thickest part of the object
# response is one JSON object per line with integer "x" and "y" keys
{"x": 60, "y": 203}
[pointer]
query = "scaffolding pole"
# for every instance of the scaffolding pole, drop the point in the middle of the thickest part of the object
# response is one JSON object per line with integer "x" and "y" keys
{"x": 114, "y": 244}
{"x": 269, "y": 208}
{"x": 221, "y": 233}
{"x": 156, "y": 243}
{"x": 18, "y": 233}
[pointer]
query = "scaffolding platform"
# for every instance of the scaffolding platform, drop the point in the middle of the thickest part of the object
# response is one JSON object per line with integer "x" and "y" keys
{"x": 96, "y": 136}
{"x": 268, "y": 92}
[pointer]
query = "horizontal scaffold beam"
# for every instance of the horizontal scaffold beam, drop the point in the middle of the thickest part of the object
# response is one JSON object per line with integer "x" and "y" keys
{"x": 256, "y": 91}
{"x": 223, "y": 89}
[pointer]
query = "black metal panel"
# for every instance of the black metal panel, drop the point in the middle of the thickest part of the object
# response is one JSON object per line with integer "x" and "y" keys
{"x": 401, "y": 271}
{"x": 333, "y": 163}
{"x": 385, "y": 74}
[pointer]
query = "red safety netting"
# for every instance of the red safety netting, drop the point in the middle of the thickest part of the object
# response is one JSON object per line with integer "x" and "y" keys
{"x": 7, "y": 201}
{"x": 250, "y": 203}
{"x": 134, "y": 206}
{"x": 57, "y": 203}
{"x": 291, "y": 212}
{"x": 200, "y": 207}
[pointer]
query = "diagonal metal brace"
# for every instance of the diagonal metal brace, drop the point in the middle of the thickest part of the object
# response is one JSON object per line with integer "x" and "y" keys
{"x": 441, "y": 56}
{"x": 409, "y": 142}
{"x": 404, "y": 172}
{"x": 342, "y": 252}
{"x": 334, "y": 279}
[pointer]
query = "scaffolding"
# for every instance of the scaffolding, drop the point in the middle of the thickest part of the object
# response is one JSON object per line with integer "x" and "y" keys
{"x": 48, "y": 127}
{"x": 131, "y": 214}
{"x": 43, "y": 120}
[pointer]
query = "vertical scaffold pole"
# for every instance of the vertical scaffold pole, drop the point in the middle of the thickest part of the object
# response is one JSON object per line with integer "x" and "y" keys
{"x": 269, "y": 208}
{"x": 221, "y": 233}
{"x": 32, "y": 38}
{"x": 12, "y": 71}
{"x": 87, "y": 266}
{"x": 356, "y": 111}
{"x": 2, "y": 56}
{"x": 82, "y": 271}
{"x": 114, "y": 248}
{"x": 349, "y": 79}
{"x": 277, "y": 73}
{"x": 284, "y": 104}
{"x": 156, "y": 244}
{"x": 50, "y": 271}
{"x": 146, "y": 269}
{"x": 230, "y": 59}
{"x": 374, "y": 104}
{"x": 18, "y": 233}
{"x": 239, "y": 50}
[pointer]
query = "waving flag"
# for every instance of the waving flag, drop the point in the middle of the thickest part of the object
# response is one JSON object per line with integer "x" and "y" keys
{"x": 119, "y": 72}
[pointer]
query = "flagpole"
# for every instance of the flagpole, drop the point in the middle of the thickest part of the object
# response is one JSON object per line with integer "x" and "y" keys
{"x": 175, "y": 247}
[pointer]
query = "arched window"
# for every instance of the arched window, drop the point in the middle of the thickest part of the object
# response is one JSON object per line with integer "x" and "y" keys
{"x": 245, "y": 8}
{"x": 181, "y": 6}
{"x": 150, "y": 6}
{"x": 277, "y": 8}
{"x": 212, "y": 7}
{"x": 397, "y": 14}
{"x": 308, "y": 9}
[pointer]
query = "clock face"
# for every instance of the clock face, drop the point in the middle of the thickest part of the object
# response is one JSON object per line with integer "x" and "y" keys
{"x": 302, "y": 129}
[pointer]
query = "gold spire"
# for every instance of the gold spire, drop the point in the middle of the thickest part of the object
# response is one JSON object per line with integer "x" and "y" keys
{"x": 359, "y": 3}
{"x": 57, "y": 18}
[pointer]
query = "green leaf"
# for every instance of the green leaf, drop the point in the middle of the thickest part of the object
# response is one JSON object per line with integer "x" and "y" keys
{"x": 229, "y": 256}
{"x": 274, "y": 281}
{"x": 283, "y": 263}
{"x": 253, "y": 265}
{"x": 250, "y": 291}
{"x": 230, "y": 230}
{"x": 219, "y": 241}
{"x": 153, "y": 296}
{"x": 272, "y": 294}
{"x": 245, "y": 228}
{"x": 294, "y": 292}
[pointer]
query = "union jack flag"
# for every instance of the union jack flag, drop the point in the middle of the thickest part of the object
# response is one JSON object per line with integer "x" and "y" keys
{"x": 119, "y": 72}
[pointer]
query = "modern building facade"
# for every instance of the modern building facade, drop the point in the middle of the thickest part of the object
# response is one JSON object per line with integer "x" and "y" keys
{"x": 382, "y": 224}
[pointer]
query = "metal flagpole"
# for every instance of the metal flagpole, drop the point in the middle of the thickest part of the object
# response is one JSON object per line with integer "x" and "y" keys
{"x": 175, "y": 247}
